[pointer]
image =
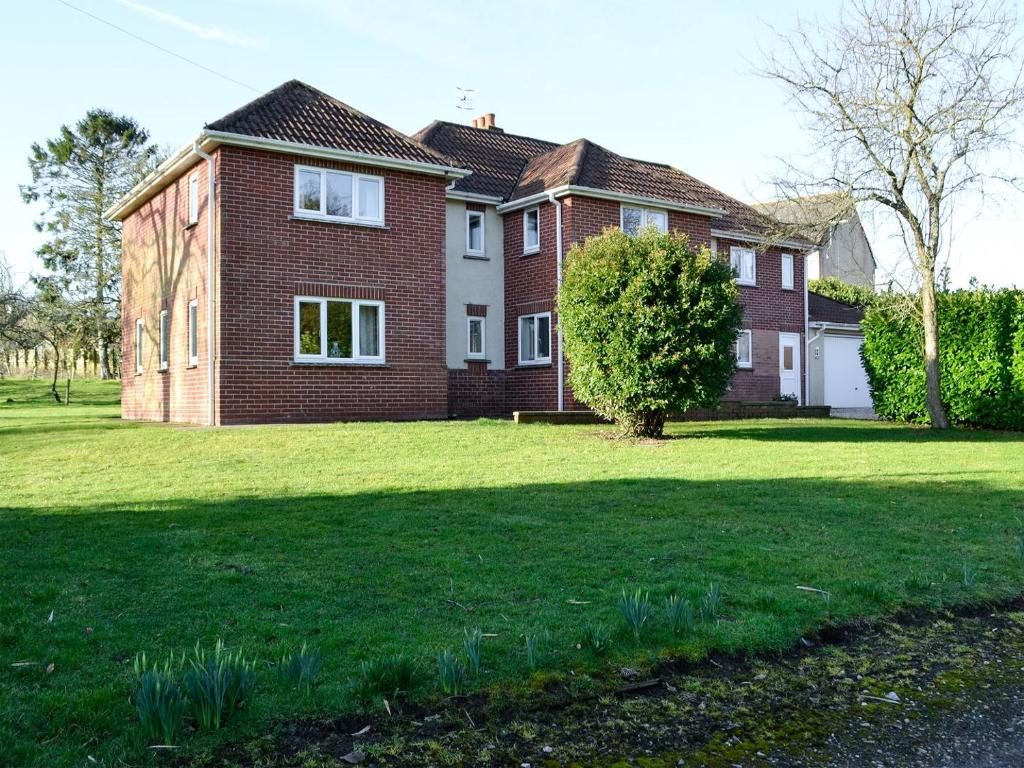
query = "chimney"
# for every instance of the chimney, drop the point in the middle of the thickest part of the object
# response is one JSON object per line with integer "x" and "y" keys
{"x": 488, "y": 120}
{"x": 485, "y": 122}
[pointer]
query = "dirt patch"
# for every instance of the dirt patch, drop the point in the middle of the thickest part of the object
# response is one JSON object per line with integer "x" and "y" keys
{"x": 932, "y": 689}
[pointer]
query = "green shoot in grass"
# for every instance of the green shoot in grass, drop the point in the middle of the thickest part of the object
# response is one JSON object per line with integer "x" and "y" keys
{"x": 389, "y": 677}
{"x": 968, "y": 576}
{"x": 597, "y": 639}
{"x": 159, "y": 700}
{"x": 218, "y": 684}
{"x": 636, "y": 609}
{"x": 535, "y": 642}
{"x": 678, "y": 614}
{"x": 300, "y": 669}
{"x": 451, "y": 673}
{"x": 474, "y": 639}
{"x": 711, "y": 604}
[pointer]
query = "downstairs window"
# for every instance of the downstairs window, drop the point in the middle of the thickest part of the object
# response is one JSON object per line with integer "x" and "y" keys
{"x": 338, "y": 330}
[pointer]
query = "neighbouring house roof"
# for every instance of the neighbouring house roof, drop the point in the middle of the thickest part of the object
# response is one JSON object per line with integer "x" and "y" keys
{"x": 812, "y": 216}
{"x": 495, "y": 157}
{"x": 299, "y": 113}
{"x": 822, "y": 309}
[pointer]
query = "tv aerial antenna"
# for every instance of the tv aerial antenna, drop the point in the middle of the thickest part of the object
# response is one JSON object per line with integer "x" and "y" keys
{"x": 464, "y": 103}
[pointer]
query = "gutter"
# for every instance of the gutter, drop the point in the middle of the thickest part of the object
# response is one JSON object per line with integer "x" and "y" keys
{"x": 747, "y": 237}
{"x": 558, "y": 293}
{"x": 603, "y": 194}
{"x": 210, "y": 334}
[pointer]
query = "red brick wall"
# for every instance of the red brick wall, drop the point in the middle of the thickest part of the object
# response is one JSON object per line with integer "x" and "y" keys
{"x": 267, "y": 258}
{"x": 163, "y": 266}
{"x": 476, "y": 391}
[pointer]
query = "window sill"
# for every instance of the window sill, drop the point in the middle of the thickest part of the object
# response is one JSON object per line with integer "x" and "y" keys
{"x": 477, "y": 360}
{"x": 190, "y": 366}
{"x": 193, "y": 225}
{"x": 345, "y": 364}
{"x": 746, "y": 285}
{"x": 545, "y": 364}
{"x": 741, "y": 367}
{"x": 476, "y": 256}
{"x": 534, "y": 252}
{"x": 340, "y": 222}
{"x": 163, "y": 369}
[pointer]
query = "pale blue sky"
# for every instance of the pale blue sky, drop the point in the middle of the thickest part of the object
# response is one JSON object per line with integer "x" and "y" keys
{"x": 665, "y": 81}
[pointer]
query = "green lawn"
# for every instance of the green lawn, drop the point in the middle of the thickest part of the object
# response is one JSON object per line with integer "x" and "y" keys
{"x": 371, "y": 538}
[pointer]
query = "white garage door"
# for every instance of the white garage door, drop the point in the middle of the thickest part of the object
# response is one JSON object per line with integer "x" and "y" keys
{"x": 846, "y": 383}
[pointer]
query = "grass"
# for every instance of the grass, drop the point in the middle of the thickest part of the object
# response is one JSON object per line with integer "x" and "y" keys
{"x": 371, "y": 539}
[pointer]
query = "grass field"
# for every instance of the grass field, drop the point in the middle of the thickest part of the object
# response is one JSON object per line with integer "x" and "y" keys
{"x": 370, "y": 538}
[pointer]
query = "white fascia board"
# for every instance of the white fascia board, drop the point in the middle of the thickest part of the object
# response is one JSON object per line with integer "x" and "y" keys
{"x": 604, "y": 194}
{"x": 747, "y": 237}
{"x": 209, "y": 140}
{"x": 836, "y": 326}
{"x": 472, "y": 197}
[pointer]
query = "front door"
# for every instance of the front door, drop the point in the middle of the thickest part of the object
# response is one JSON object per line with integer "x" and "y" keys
{"x": 789, "y": 365}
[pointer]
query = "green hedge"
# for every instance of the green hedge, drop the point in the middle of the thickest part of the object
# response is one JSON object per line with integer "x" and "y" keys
{"x": 981, "y": 338}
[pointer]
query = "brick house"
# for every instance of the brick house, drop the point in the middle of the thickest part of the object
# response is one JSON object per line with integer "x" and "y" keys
{"x": 339, "y": 269}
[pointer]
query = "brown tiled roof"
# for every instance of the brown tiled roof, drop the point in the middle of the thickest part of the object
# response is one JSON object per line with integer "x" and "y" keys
{"x": 495, "y": 157}
{"x": 302, "y": 114}
{"x": 822, "y": 309}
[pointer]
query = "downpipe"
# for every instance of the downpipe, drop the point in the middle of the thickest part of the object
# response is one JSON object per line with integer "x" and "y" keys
{"x": 211, "y": 418}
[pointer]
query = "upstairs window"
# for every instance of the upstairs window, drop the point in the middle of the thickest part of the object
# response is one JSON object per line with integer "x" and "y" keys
{"x": 193, "y": 200}
{"x": 531, "y": 230}
{"x": 633, "y": 219}
{"x": 787, "y": 270}
{"x": 339, "y": 330}
{"x": 193, "y": 332}
{"x": 138, "y": 345}
{"x": 744, "y": 350}
{"x": 165, "y": 332}
{"x": 338, "y": 195}
{"x": 475, "y": 233}
{"x": 476, "y": 337}
{"x": 744, "y": 264}
{"x": 535, "y": 339}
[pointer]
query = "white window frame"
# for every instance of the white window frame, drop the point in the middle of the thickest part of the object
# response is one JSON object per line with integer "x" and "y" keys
{"x": 527, "y": 248}
{"x": 165, "y": 340}
{"x": 483, "y": 234}
{"x": 519, "y": 339}
{"x": 357, "y": 359}
{"x": 192, "y": 339}
{"x": 355, "y": 218}
{"x": 193, "y": 199}
{"x": 788, "y": 258}
{"x": 139, "y": 330}
{"x": 483, "y": 337}
{"x": 735, "y": 254}
{"x": 746, "y": 364}
{"x": 644, "y": 213}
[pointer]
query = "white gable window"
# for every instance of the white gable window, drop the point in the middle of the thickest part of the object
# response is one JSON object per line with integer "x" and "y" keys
{"x": 193, "y": 332}
{"x": 535, "y": 339}
{"x": 138, "y": 345}
{"x": 744, "y": 264}
{"x": 475, "y": 233}
{"x": 744, "y": 350}
{"x": 476, "y": 343}
{"x": 531, "y": 230}
{"x": 165, "y": 332}
{"x": 193, "y": 199}
{"x": 338, "y": 196}
{"x": 787, "y": 270}
{"x": 338, "y": 330}
{"x": 633, "y": 219}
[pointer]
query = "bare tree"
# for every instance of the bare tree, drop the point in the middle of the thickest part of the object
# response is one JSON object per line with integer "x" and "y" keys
{"x": 907, "y": 100}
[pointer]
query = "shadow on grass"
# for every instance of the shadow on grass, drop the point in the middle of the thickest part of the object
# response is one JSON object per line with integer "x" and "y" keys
{"x": 838, "y": 431}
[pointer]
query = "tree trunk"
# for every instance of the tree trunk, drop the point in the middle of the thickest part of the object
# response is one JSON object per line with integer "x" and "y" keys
{"x": 102, "y": 352}
{"x": 932, "y": 374}
{"x": 56, "y": 370}
{"x": 650, "y": 424}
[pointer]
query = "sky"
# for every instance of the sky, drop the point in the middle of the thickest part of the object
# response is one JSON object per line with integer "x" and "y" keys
{"x": 673, "y": 82}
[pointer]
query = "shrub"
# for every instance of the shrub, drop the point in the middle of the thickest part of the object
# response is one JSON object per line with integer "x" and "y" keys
{"x": 389, "y": 677}
{"x": 451, "y": 673}
{"x": 300, "y": 669}
{"x": 981, "y": 358}
{"x": 678, "y": 614}
{"x": 636, "y": 610}
{"x": 159, "y": 700}
{"x": 834, "y": 288}
{"x": 218, "y": 685}
{"x": 649, "y": 327}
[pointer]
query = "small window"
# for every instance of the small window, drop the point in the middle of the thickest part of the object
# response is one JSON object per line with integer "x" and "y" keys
{"x": 744, "y": 264}
{"x": 165, "y": 332}
{"x": 787, "y": 270}
{"x": 339, "y": 331}
{"x": 193, "y": 200}
{"x": 531, "y": 231}
{"x": 744, "y": 350}
{"x": 475, "y": 233}
{"x": 476, "y": 340}
{"x": 138, "y": 345}
{"x": 337, "y": 195}
{"x": 193, "y": 332}
{"x": 535, "y": 339}
{"x": 634, "y": 218}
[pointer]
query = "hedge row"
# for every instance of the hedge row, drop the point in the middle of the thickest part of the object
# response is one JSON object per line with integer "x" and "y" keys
{"x": 981, "y": 338}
